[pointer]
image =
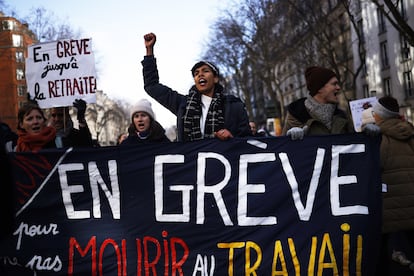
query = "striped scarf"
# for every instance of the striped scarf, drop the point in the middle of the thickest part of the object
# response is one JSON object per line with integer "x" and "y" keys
{"x": 192, "y": 115}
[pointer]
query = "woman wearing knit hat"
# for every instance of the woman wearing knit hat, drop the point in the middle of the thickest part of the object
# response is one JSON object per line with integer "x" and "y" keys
{"x": 397, "y": 166}
{"x": 318, "y": 113}
{"x": 144, "y": 128}
{"x": 205, "y": 112}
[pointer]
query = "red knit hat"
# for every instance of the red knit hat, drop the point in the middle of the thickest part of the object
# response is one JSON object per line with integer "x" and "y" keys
{"x": 317, "y": 77}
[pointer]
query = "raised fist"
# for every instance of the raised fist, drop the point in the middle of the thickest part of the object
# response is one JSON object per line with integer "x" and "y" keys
{"x": 150, "y": 39}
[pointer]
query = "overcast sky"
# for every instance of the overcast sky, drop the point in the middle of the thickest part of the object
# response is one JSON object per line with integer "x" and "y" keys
{"x": 117, "y": 29}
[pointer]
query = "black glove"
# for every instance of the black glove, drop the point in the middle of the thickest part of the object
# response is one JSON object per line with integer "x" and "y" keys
{"x": 80, "y": 105}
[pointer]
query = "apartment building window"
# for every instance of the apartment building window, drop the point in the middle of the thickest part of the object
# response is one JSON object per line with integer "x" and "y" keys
{"x": 21, "y": 90}
{"x": 19, "y": 74}
{"x": 332, "y": 4}
{"x": 381, "y": 21}
{"x": 358, "y": 6}
{"x": 364, "y": 70}
{"x": 7, "y": 25}
{"x": 345, "y": 51}
{"x": 360, "y": 27}
{"x": 341, "y": 21}
{"x": 386, "y": 83}
{"x": 403, "y": 10}
{"x": 17, "y": 40}
{"x": 408, "y": 84}
{"x": 365, "y": 89}
{"x": 405, "y": 48}
{"x": 19, "y": 56}
{"x": 384, "y": 55}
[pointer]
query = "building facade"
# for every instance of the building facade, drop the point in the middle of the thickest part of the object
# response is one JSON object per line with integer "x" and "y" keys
{"x": 389, "y": 63}
{"x": 14, "y": 39}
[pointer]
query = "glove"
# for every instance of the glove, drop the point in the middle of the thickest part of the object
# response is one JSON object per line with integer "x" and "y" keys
{"x": 80, "y": 105}
{"x": 371, "y": 129}
{"x": 297, "y": 133}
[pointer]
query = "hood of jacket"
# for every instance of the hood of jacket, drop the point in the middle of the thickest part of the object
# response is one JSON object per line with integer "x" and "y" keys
{"x": 397, "y": 128}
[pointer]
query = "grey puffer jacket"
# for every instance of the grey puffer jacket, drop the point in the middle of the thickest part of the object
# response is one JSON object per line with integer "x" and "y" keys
{"x": 397, "y": 165}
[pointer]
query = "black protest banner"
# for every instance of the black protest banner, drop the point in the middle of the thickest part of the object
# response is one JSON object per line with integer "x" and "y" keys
{"x": 269, "y": 206}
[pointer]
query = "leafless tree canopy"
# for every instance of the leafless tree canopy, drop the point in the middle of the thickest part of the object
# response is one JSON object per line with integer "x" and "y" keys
{"x": 264, "y": 46}
{"x": 47, "y": 27}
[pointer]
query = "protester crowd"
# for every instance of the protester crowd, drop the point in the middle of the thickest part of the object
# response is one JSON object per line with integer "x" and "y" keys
{"x": 207, "y": 112}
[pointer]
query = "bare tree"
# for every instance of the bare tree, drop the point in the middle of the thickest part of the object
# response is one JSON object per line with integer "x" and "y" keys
{"x": 244, "y": 42}
{"x": 47, "y": 27}
{"x": 107, "y": 119}
{"x": 394, "y": 10}
{"x": 229, "y": 54}
{"x": 315, "y": 33}
{"x": 265, "y": 46}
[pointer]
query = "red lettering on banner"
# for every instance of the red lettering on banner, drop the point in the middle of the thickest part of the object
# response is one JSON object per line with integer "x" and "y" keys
{"x": 72, "y": 47}
{"x": 124, "y": 259}
{"x": 117, "y": 252}
{"x": 166, "y": 263}
{"x": 149, "y": 254}
{"x": 147, "y": 263}
{"x": 139, "y": 256}
{"x": 174, "y": 264}
{"x": 70, "y": 87}
{"x": 91, "y": 245}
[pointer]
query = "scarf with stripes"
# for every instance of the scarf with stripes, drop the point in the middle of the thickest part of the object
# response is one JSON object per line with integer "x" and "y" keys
{"x": 192, "y": 115}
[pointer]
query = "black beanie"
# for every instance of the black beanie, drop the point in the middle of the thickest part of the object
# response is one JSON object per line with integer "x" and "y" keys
{"x": 317, "y": 77}
{"x": 389, "y": 103}
{"x": 387, "y": 107}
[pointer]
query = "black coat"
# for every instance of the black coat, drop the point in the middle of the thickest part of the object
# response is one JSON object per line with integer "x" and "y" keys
{"x": 78, "y": 138}
{"x": 156, "y": 135}
{"x": 8, "y": 138}
{"x": 236, "y": 119}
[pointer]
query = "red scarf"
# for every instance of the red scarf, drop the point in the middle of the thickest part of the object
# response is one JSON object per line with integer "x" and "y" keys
{"x": 35, "y": 142}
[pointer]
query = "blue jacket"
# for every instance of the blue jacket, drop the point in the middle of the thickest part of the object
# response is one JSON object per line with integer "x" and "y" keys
{"x": 235, "y": 115}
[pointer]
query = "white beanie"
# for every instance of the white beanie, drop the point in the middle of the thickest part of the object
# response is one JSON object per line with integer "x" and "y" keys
{"x": 145, "y": 106}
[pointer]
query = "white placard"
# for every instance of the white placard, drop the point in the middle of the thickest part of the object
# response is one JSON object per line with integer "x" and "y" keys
{"x": 357, "y": 107}
{"x": 61, "y": 71}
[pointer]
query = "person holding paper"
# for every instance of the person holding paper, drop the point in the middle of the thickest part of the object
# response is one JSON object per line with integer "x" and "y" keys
{"x": 34, "y": 134}
{"x": 67, "y": 135}
{"x": 206, "y": 112}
